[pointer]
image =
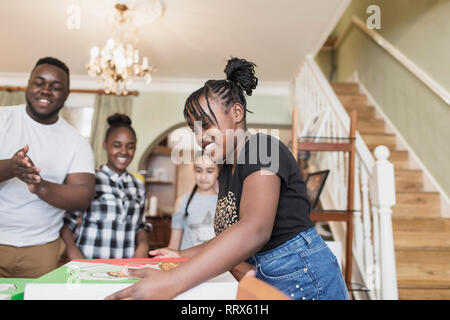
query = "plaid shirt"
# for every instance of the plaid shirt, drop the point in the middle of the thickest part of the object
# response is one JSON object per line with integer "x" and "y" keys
{"x": 109, "y": 226}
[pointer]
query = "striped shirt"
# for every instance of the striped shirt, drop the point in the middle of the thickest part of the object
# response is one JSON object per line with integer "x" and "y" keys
{"x": 115, "y": 216}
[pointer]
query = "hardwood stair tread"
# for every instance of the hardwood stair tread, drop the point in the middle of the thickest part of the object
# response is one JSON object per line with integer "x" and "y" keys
{"x": 421, "y": 239}
{"x": 408, "y": 180}
{"x": 421, "y": 235}
{"x": 423, "y": 268}
{"x": 420, "y": 284}
{"x": 423, "y": 256}
{"x": 416, "y": 224}
{"x": 349, "y": 100}
{"x": 399, "y": 154}
{"x": 423, "y": 294}
{"x": 372, "y": 126}
{"x": 417, "y": 205}
{"x": 400, "y": 160}
{"x": 345, "y": 87}
{"x": 374, "y": 140}
{"x": 363, "y": 112}
{"x": 418, "y": 198}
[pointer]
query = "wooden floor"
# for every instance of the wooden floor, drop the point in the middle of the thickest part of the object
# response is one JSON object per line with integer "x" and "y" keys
{"x": 421, "y": 235}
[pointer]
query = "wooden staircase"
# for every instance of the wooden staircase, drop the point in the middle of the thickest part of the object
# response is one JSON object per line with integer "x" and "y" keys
{"x": 421, "y": 235}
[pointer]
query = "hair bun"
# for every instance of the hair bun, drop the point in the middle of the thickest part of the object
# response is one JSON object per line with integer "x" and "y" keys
{"x": 242, "y": 73}
{"x": 119, "y": 119}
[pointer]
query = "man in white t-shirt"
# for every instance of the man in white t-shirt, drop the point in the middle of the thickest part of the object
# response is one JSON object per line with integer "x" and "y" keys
{"x": 46, "y": 167}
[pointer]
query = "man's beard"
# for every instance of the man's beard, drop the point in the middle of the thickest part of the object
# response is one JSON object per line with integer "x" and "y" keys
{"x": 41, "y": 116}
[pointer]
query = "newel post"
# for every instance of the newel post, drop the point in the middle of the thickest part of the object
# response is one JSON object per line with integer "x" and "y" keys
{"x": 383, "y": 197}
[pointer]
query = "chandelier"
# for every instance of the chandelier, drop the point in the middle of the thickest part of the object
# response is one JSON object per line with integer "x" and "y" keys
{"x": 118, "y": 63}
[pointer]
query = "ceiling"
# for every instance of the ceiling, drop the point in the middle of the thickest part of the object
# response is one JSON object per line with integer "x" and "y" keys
{"x": 192, "y": 40}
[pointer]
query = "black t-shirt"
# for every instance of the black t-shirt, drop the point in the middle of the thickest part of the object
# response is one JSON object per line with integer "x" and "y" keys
{"x": 264, "y": 152}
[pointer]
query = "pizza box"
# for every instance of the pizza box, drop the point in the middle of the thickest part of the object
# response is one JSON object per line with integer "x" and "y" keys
{"x": 95, "y": 279}
{"x": 13, "y": 288}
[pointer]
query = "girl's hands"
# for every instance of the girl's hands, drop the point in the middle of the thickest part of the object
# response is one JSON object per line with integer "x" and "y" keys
{"x": 243, "y": 269}
{"x": 155, "y": 284}
{"x": 165, "y": 253}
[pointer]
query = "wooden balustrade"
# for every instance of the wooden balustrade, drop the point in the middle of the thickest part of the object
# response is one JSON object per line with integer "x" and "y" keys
{"x": 354, "y": 178}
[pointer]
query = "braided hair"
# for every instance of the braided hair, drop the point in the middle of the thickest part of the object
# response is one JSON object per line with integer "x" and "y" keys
{"x": 194, "y": 189}
{"x": 119, "y": 120}
{"x": 240, "y": 78}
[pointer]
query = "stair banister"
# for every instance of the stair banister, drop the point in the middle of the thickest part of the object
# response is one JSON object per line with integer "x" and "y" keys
{"x": 373, "y": 241}
{"x": 383, "y": 197}
{"x": 341, "y": 114}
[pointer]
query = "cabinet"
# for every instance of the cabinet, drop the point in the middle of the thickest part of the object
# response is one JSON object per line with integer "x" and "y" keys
{"x": 160, "y": 235}
{"x": 161, "y": 180}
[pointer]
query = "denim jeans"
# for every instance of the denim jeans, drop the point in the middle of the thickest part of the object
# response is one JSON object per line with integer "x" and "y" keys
{"x": 303, "y": 267}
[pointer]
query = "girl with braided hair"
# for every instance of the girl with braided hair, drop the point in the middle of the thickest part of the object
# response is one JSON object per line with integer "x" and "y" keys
{"x": 262, "y": 220}
{"x": 113, "y": 226}
{"x": 192, "y": 222}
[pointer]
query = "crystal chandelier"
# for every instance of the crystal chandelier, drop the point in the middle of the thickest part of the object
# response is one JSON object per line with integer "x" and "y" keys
{"x": 118, "y": 63}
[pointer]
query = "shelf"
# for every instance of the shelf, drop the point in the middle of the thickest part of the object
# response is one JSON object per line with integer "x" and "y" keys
{"x": 162, "y": 150}
{"x": 165, "y": 212}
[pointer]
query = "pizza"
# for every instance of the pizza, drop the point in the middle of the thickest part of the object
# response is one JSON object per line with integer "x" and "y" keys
{"x": 168, "y": 265}
{"x": 119, "y": 274}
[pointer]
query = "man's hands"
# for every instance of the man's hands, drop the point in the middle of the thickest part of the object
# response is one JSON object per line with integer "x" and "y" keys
{"x": 24, "y": 169}
{"x": 74, "y": 253}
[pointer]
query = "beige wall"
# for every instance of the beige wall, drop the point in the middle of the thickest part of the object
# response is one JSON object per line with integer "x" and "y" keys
{"x": 155, "y": 114}
{"x": 420, "y": 29}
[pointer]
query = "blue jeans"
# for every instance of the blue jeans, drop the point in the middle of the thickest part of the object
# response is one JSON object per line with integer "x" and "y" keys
{"x": 303, "y": 267}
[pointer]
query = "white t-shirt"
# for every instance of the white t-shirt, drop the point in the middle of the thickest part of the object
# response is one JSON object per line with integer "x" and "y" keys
{"x": 58, "y": 150}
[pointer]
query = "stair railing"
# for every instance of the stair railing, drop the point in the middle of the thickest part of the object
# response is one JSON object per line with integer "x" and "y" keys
{"x": 373, "y": 245}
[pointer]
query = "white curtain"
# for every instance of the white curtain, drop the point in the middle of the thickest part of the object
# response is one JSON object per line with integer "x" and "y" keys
{"x": 12, "y": 98}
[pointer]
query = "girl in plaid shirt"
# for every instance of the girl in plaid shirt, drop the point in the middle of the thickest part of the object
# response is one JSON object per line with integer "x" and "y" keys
{"x": 113, "y": 225}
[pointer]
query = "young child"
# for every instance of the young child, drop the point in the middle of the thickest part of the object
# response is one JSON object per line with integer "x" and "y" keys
{"x": 112, "y": 227}
{"x": 262, "y": 214}
{"x": 192, "y": 222}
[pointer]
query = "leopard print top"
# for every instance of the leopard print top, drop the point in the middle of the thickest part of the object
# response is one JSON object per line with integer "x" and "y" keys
{"x": 226, "y": 213}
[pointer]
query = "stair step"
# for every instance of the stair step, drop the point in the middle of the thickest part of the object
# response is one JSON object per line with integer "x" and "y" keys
{"x": 349, "y": 100}
{"x": 364, "y": 112}
{"x": 345, "y": 87}
{"x": 425, "y": 240}
{"x": 400, "y": 159}
{"x": 423, "y": 294}
{"x": 418, "y": 198}
{"x": 420, "y": 224}
{"x": 374, "y": 140}
{"x": 417, "y": 205}
{"x": 374, "y": 126}
{"x": 408, "y": 180}
{"x": 415, "y": 211}
{"x": 421, "y": 235}
{"x": 424, "y": 257}
{"x": 417, "y": 274}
